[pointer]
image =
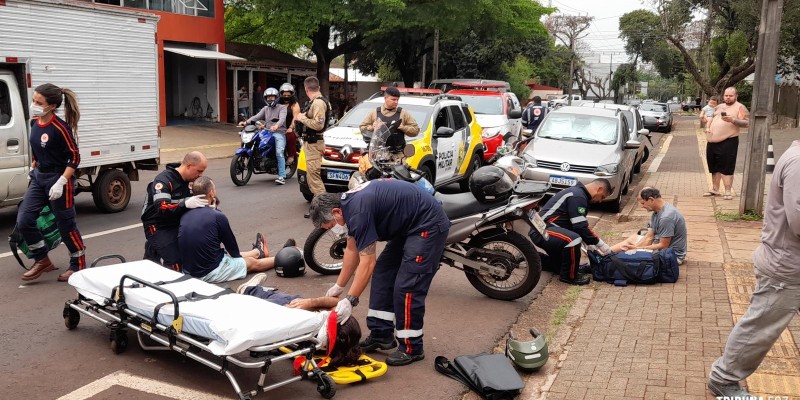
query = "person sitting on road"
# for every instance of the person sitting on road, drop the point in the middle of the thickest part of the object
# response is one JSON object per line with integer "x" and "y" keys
{"x": 346, "y": 350}
{"x": 667, "y": 227}
{"x": 567, "y": 227}
{"x": 201, "y": 232}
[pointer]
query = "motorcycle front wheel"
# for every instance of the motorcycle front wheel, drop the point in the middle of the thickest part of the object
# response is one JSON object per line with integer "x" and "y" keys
{"x": 241, "y": 169}
{"x": 324, "y": 251}
{"x": 512, "y": 252}
{"x": 291, "y": 168}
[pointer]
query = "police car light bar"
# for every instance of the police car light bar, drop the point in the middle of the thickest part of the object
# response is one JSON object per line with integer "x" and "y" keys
{"x": 477, "y": 85}
{"x": 421, "y": 91}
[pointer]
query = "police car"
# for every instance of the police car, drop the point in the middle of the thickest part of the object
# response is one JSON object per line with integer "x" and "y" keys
{"x": 447, "y": 149}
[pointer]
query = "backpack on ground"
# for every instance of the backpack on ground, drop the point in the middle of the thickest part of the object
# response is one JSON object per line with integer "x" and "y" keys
{"x": 638, "y": 267}
{"x": 46, "y": 223}
{"x": 489, "y": 375}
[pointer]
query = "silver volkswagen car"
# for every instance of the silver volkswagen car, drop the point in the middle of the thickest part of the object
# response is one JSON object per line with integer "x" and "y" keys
{"x": 578, "y": 144}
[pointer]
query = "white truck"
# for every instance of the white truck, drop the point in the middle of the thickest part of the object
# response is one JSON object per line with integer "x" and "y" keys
{"x": 108, "y": 56}
{"x": 563, "y": 100}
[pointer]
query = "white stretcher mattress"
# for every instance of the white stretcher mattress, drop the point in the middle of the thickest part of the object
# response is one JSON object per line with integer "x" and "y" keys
{"x": 233, "y": 322}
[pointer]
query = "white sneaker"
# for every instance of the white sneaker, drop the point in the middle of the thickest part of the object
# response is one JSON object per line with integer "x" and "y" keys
{"x": 281, "y": 180}
{"x": 256, "y": 280}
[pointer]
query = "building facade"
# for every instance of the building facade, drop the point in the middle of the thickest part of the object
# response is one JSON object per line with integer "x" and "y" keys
{"x": 191, "y": 58}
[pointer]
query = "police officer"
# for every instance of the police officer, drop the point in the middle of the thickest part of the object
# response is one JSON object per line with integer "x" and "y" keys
{"x": 314, "y": 121}
{"x": 567, "y": 227}
{"x": 55, "y": 157}
{"x": 169, "y": 195}
{"x": 399, "y": 121}
{"x": 415, "y": 226}
{"x": 534, "y": 114}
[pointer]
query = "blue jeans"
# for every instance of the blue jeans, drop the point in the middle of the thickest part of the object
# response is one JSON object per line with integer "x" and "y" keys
{"x": 280, "y": 152}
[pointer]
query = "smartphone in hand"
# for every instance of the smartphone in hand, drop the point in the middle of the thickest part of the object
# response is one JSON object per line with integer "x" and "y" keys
{"x": 724, "y": 114}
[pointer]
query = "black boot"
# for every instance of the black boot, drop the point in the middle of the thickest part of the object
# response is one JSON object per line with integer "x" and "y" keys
{"x": 580, "y": 279}
{"x": 585, "y": 269}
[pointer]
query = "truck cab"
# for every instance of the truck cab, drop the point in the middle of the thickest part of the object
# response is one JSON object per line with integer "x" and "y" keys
{"x": 14, "y": 151}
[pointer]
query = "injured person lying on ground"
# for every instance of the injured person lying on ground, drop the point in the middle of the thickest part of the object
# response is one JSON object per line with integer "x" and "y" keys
{"x": 667, "y": 227}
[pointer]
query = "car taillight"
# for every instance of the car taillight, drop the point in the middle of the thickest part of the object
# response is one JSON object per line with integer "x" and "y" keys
{"x": 355, "y": 158}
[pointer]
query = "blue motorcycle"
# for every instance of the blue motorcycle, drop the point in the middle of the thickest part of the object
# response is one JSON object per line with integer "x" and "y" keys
{"x": 257, "y": 155}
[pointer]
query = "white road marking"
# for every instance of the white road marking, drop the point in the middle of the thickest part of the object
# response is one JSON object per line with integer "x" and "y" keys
{"x": 146, "y": 385}
{"x": 89, "y": 236}
{"x": 663, "y": 152}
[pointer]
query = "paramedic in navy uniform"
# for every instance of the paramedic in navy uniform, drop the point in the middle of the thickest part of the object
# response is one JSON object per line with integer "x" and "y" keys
{"x": 55, "y": 156}
{"x": 415, "y": 226}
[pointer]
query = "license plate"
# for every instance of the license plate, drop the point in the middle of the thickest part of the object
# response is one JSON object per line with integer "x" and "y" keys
{"x": 563, "y": 180}
{"x": 337, "y": 175}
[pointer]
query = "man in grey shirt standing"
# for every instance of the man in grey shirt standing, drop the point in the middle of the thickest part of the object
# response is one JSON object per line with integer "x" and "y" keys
{"x": 776, "y": 297}
{"x": 667, "y": 227}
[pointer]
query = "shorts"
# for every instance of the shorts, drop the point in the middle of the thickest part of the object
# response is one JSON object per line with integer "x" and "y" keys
{"x": 229, "y": 269}
{"x": 721, "y": 157}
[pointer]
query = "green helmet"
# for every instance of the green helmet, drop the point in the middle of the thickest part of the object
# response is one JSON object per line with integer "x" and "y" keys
{"x": 528, "y": 356}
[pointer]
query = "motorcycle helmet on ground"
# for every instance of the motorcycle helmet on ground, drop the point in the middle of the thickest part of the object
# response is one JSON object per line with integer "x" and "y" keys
{"x": 289, "y": 262}
{"x": 490, "y": 184}
{"x": 528, "y": 355}
{"x": 271, "y": 92}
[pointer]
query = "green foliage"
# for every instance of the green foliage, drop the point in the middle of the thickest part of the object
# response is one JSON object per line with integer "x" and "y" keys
{"x": 387, "y": 73}
{"x": 734, "y": 216}
{"x": 625, "y": 74}
{"x": 518, "y": 72}
{"x": 641, "y": 31}
{"x": 553, "y": 69}
{"x": 737, "y": 48}
{"x": 745, "y": 93}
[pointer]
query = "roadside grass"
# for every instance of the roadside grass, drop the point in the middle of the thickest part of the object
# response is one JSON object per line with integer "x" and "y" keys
{"x": 734, "y": 216}
{"x": 560, "y": 314}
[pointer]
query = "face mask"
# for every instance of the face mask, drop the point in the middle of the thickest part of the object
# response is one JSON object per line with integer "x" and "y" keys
{"x": 285, "y": 100}
{"x": 37, "y": 110}
{"x": 339, "y": 230}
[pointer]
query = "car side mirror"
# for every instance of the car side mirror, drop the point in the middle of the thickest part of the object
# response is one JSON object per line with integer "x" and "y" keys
{"x": 527, "y": 132}
{"x": 409, "y": 150}
{"x": 515, "y": 114}
{"x": 632, "y": 144}
{"x": 444, "y": 131}
{"x": 645, "y": 132}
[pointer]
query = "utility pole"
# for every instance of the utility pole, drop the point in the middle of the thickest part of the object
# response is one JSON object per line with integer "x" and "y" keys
{"x": 610, "y": 74}
{"x": 424, "y": 64}
{"x": 571, "y": 69}
{"x": 435, "y": 66}
{"x": 752, "y": 196}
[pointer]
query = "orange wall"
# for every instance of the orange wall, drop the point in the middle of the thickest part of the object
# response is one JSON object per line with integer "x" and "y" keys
{"x": 184, "y": 28}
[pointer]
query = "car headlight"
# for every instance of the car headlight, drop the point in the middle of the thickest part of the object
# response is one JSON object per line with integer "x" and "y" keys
{"x": 607, "y": 170}
{"x": 529, "y": 159}
{"x": 488, "y": 133}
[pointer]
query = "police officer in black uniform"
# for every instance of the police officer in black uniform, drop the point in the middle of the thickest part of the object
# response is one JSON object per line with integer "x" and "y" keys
{"x": 399, "y": 121}
{"x": 534, "y": 114}
{"x": 169, "y": 195}
{"x": 567, "y": 227}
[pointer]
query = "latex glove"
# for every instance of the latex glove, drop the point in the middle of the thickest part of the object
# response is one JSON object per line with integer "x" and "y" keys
{"x": 58, "y": 188}
{"x": 334, "y": 291}
{"x": 343, "y": 310}
{"x": 196, "y": 201}
{"x": 604, "y": 249}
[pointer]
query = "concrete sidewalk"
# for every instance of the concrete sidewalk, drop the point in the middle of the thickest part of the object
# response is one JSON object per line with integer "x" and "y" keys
{"x": 658, "y": 341}
{"x": 215, "y": 140}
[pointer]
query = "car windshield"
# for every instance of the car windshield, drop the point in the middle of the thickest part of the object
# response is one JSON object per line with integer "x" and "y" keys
{"x": 492, "y": 105}
{"x": 354, "y": 117}
{"x": 579, "y": 128}
{"x": 653, "y": 107}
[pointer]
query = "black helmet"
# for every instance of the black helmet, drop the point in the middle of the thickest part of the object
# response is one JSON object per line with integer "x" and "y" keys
{"x": 289, "y": 262}
{"x": 490, "y": 184}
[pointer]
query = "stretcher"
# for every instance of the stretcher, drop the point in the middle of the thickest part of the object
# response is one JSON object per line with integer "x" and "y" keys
{"x": 206, "y": 323}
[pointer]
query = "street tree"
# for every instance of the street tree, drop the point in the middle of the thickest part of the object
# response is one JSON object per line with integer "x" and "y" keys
{"x": 569, "y": 29}
{"x": 494, "y": 27}
{"x": 330, "y": 28}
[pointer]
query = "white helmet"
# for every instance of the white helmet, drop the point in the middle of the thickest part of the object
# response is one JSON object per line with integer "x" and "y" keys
{"x": 271, "y": 92}
{"x": 287, "y": 87}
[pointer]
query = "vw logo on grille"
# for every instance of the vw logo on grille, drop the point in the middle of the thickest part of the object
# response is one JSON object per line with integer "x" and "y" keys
{"x": 346, "y": 151}
{"x": 565, "y": 167}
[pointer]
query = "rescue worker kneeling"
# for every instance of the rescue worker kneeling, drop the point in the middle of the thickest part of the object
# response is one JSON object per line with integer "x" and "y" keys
{"x": 567, "y": 227}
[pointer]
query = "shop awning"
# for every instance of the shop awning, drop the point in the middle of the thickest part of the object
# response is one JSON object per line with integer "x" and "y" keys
{"x": 201, "y": 53}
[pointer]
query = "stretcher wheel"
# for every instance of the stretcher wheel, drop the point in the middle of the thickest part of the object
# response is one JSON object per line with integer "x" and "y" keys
{"x": 71, "y": 317}
{"x": 119, "y": 341}
{"x": 326, "y": 387}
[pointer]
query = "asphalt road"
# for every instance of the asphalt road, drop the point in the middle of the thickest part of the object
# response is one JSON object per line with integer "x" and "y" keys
{"x": 43, "y": 360}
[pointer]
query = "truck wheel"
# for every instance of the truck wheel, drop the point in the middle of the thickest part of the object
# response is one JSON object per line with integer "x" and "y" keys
{"x": 111, "y": 191}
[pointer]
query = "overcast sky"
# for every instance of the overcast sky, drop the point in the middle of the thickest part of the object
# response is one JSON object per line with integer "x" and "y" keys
{"x": 603, "y": 36}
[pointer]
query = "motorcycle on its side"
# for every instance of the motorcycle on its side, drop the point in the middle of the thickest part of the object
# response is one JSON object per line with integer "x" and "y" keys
{"x": 257, "y": 154}
{"x": 498, "y": 261}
